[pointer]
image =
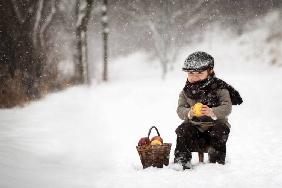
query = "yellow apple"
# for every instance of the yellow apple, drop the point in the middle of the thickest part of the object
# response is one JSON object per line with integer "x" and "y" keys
{"x": 156, "y": 142}
{"x": 197, "y": 109}
{"x": 157, "y": 138}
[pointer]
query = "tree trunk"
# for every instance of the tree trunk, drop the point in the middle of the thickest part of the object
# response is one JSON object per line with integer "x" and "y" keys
{"x": 79, "y": 66}
{"x": 164, "y": 63}
{"x": 83, "y": 15}
{"x": 105, "y": 39}
{"x": 20, "y": 67}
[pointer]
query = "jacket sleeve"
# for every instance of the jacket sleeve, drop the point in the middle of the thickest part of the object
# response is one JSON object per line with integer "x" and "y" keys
{"x": 183, "y": 106}
{"x": 225, "y": 107}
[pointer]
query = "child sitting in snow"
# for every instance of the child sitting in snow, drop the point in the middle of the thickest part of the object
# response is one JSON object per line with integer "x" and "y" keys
{"x": 211, "y": 127}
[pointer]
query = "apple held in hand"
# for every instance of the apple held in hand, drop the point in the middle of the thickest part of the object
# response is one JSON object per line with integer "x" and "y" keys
{"x": 197, "y": 109}
{"x": 144, "y": 141}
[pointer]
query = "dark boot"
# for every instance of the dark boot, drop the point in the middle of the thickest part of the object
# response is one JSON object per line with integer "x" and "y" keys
{"x": 187, "y": 165}
{"x": 181, "y": 154}
{"x": 216, "y": 156}
{"x": 187, "y": 136}
{"x": 218, "y": 138}
{"x": 212, "y": 155}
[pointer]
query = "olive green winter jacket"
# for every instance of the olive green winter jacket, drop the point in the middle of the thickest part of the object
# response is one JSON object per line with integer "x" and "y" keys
{"x": 221, "y": 112}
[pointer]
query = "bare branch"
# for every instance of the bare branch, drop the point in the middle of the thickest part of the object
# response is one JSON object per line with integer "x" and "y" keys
{"x": 88, "y": 12}
{"x": 175, "y": 15}
{"x": 17, "y": 11}
{"x": 197, "y": 7}
{"x": 47, "y": 22}
{"x": 158, "y": 42}
{"x": 193, "y": 20}
{"x": 197, "y": 13}
{"x": 22, "y": 16}
{"x": 82, "y": 9}
{"x": 37, "y": 21}
{"x": 137, "y": 11}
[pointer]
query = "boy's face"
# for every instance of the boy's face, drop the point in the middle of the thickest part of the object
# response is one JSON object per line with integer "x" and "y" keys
{"x": 195, "y": 76}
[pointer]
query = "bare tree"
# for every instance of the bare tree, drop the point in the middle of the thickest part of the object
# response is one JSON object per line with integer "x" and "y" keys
{"x": 161, "y": 18}
{"x": 31, "y": 60}
{"x": 83, "y": 12}
{"x": 105, "y": 34}
{"x": 23, "y": 31}
{"x": 101, "y": 12}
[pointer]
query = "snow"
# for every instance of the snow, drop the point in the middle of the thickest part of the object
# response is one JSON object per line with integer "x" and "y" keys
{"x": 86, "y": 136}
{"x": 81, "y": 12}
{"x": 104, "y": 19}
{"x": 193, "y": 62}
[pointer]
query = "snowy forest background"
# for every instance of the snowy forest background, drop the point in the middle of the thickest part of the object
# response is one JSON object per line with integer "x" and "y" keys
{"x": 82, "y": 80}
{"x": 49, "y": 45}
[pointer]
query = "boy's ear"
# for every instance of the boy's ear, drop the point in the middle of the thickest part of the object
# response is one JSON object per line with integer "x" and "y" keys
{"x": 211, "y": 72}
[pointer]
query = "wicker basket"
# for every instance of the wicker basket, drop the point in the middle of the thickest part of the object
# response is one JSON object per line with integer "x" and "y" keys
{"x": 154, "y": 155}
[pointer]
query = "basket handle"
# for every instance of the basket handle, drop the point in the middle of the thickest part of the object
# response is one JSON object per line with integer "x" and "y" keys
{"x": 151, "y": 130}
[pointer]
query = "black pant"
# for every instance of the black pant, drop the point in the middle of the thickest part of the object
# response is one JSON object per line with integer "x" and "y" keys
{"x": 190, "y": 139}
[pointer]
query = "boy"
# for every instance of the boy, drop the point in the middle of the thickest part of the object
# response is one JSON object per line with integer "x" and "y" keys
{"x": 211, "y": 127}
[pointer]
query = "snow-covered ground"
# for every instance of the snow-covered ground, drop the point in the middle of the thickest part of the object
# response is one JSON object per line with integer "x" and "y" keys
{"x": 86, "y": 136}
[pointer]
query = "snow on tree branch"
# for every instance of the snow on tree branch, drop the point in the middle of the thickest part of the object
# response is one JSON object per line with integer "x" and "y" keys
{"x": 82, "y": 10}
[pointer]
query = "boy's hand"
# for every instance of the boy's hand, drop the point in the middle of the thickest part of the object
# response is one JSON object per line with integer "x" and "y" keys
{"x": 191, "y": 113}
{"x": 207, "y": 111}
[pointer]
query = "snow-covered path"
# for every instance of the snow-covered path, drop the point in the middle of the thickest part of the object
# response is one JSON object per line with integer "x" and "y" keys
{"x": 86, "y": 137}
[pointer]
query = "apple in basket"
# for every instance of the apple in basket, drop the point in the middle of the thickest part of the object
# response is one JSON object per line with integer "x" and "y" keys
{"x": 145, "y": 141}
{"x": 156, "y": 140}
